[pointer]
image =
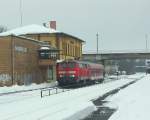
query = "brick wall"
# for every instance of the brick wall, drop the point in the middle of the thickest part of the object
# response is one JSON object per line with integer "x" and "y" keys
{"x": 19, "y": 62}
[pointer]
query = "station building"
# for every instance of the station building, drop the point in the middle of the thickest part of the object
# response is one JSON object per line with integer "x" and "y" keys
{"x": 29, "y": 54}
{"x": 21, "y": 61}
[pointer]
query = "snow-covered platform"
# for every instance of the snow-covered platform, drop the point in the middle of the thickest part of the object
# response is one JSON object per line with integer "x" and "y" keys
{"x": 132, "y": 103}
{"x": 71, "y": 105}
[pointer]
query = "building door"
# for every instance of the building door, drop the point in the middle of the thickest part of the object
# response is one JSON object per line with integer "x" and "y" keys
{"x": 50, "y": 73}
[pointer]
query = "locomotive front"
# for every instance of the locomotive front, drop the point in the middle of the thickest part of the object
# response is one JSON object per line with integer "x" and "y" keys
{"x": 67, "y": 73}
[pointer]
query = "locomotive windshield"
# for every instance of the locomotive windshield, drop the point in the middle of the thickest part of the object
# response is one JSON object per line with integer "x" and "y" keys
{"x": 67, "y": 65}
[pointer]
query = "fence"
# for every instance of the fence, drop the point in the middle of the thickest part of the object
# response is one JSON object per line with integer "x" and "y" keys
{"x": 51, "y": 91}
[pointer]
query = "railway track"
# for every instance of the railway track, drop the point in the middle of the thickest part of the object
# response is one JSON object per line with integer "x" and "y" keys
{"x": 58, "y": 88}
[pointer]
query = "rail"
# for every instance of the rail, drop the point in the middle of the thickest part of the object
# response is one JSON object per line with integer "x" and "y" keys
{"x": 56, "y": 90}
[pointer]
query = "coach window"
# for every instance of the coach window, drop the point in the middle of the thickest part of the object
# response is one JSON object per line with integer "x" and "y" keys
{"x": 80, "y": 65}
{"x": 83, "y": 65}
{"x": 86, "y": 66}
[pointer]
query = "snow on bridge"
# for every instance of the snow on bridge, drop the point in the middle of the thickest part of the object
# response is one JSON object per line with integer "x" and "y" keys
{"x": 120, "y": 54}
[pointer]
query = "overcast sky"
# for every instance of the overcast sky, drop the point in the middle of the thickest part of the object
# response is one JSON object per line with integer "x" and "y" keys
{"x": 121, "y": 24}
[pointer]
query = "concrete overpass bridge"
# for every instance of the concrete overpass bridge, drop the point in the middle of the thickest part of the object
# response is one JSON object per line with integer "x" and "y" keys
{"x": 117, "y": 55}
{"x": 106, "y": 59}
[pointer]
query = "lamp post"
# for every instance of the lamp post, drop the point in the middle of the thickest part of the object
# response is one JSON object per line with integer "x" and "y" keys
{"x": 20, "y": 9}
{"x": 146, "y": 40}
{"x": 97, "y": 42}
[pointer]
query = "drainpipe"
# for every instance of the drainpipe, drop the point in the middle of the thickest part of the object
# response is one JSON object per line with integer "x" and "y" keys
{"x": 12, "y": 59}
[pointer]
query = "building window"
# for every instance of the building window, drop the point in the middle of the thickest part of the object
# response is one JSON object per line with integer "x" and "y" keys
{"x": 68, "y": 49}
{"x": 65, "y": 49}
{"x": 46, "y": 54}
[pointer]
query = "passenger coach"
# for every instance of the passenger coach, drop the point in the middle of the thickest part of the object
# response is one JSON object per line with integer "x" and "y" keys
{"x": 79, "y": 72}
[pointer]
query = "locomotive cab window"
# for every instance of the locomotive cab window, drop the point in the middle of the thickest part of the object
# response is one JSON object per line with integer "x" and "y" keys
{"x": 63, "y": 65}
{"x": 67, "y": 65}
{"x": 71, "y": 65}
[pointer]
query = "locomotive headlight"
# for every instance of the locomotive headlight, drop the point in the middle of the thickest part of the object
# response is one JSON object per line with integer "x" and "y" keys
{"x": 60, "y": 75}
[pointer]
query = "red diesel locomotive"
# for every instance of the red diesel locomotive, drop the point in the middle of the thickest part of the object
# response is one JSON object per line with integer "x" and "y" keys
{"x": 79, "y": 72}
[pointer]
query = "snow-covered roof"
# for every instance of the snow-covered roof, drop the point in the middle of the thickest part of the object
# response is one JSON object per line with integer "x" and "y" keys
{"x": 34, "y": 29}
{"x": 45, "y": 48}
{"x": 30, "y": 29}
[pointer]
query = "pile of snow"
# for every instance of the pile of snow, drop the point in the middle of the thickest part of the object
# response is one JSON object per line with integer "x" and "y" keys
{"x": 132, "y": 103}
{"x": 30, "y": 29}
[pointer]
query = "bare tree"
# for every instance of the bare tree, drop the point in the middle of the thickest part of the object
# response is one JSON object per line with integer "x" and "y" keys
{"x": 3, "y": 28}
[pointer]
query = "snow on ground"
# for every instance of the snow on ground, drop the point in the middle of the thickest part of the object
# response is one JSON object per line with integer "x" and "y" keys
{"x": 27, "y": 87}
{"x": 70, "y": 105}
{"x": 133, "y": 102}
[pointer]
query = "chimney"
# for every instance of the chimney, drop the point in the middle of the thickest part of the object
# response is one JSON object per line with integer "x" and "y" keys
{"x": 53, "y": 24}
